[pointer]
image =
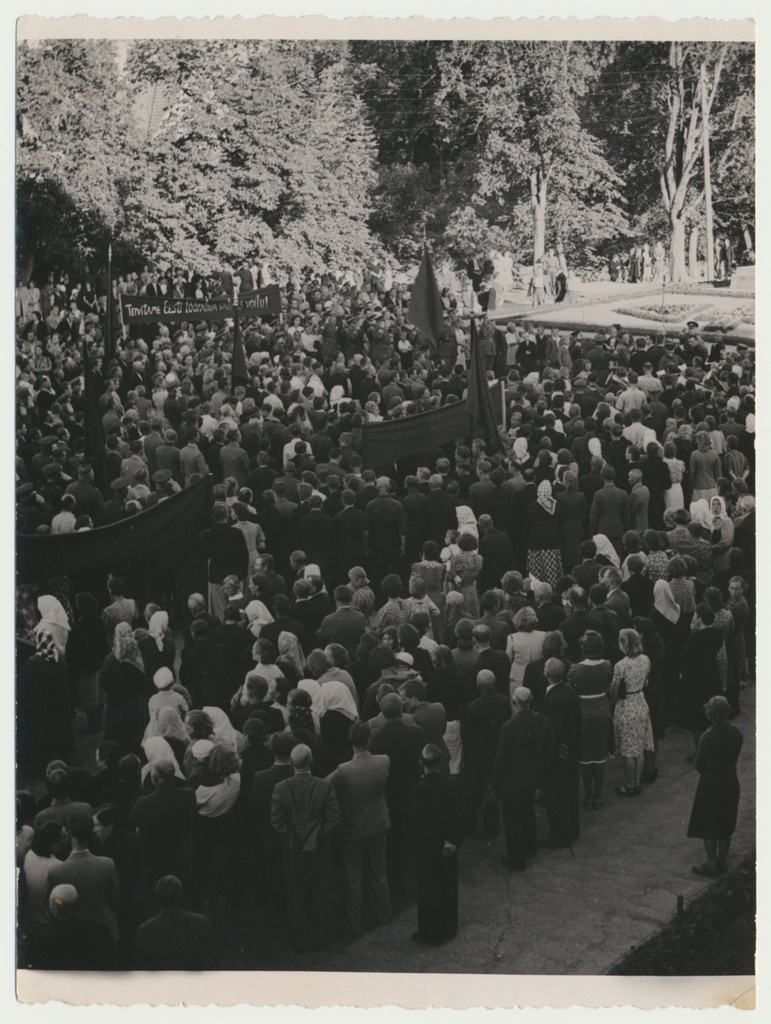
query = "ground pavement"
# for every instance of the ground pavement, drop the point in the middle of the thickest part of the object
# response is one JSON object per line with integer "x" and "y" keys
{"x": 570, "y": 915}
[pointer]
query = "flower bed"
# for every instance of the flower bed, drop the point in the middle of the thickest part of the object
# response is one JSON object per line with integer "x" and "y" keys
{"x": 702, "y": 288}
{"x": 727, "y": 319}
{"x": 674, "y": 313}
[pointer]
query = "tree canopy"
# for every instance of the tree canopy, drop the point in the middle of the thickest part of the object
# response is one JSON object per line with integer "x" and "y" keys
{"x": 314, "y": 154}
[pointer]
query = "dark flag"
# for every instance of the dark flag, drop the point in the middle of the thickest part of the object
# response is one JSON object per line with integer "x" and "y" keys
{"x": 239, "y": 373}
{"x": 426, "y": 311}
{"x": 93, "y": 437}
{"x": 479, "y": 405}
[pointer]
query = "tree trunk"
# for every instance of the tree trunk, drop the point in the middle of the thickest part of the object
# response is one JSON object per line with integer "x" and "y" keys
{"x": 693, "y": 253}
{"x": 677, "y": 268}
{"x": 538, "y": 206}
{"x": 748, "y": 238}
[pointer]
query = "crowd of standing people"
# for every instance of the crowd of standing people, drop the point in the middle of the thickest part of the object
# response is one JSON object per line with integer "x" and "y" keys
{"x": 362, "y": 665}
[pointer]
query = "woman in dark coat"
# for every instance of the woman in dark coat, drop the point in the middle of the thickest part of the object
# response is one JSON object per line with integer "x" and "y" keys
{"x": 571, "y": 505}
{"x": 44, "y": 708}
{"x": 699, "y": 675}
{"x": 87, "y": 647}
{"x": 736, "y": 643}
{"x": 716, "y": 803}
{"x": 125, "y": 686}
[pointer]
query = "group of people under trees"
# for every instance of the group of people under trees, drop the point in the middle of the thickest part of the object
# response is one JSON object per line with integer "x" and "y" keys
{"x": 639, "y": 263}
{"x": 358, "y": 666}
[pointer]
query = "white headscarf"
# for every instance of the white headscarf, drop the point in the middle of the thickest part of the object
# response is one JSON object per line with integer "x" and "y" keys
{"x": 157, "y": 749}
{"x": 166, "y": 722}
{"x": 521, "y": 453}
{"x": 467, "y": 521}
{"x": 53, "y": 620}
{"x": 258, "y": 616}
{"x": 157, "y": 626}
{"x": 718, "y": 519}
{"x": 701, "y": 514}
{"x": 664, "y": 602}
{"x": 335, "y": 696}
{"x": 604, "y": 547}
{"x": 224, "y": 731}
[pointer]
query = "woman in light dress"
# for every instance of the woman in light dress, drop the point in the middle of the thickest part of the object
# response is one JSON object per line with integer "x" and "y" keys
{"x": 674, "y": 498}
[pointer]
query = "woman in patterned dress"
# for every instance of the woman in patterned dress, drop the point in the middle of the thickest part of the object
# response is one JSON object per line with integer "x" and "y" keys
{"x": 544, "y": 539}
{"x": 631, "y": 718}
{"x": 656, "y": 561}
{"x": 463, "y": 572}
{"x": 724, "y": 622}
{"x": 432, "y": 571}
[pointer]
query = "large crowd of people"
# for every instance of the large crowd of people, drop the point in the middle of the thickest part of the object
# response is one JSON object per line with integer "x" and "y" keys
{"x": 358, "y": 665}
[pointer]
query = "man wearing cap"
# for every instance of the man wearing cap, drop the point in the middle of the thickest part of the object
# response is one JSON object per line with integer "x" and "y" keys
{"x": 304, "y": 812}
{"x": 88, "y": 500}
{"x": 115, "y": 508}
{"x": 437, "y": 831}
{"x": 526, "y": 748}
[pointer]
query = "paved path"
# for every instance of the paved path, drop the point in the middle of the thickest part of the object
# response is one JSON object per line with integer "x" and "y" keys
{"x": 571, "y": 915}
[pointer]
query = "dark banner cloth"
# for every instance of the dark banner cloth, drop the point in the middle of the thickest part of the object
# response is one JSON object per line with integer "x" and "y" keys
{"x": 146, "y": 309}
{"x": 426, "y": 311}
{"x": 392, "y": 440}
{"x": 170, "y": 522}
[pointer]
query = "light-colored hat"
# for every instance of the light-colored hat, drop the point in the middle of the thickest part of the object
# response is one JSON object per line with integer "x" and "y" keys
{"x": 201, "y": 749}
{"x": 163, "y": 677}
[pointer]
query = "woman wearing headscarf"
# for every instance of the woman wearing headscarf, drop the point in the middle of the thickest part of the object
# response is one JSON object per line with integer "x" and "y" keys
{"x": 87, "y": 648}
{"x": 157, "y": 748}
{"x": 703, "y": 468}
{"x": 123, "y": 680}
{"x": 157, "y": 646}
{"x": 167, "y": 723}
{"x": 337, "y": 713}
{"x": 573, "y": 516}
{"x": 291, "y": 660}
{"x": 44, "y": 708}
{"x": 699, "y": 673}
{"x": 606, "y": 553}
{"x": 53, "y": 619}
{"x": 224, "y": 731}
{"x": 716, "y": 802}
{"x": 722, "y": 534}
{"x": 544, "y": 536}
{"x": 257, "y": 616}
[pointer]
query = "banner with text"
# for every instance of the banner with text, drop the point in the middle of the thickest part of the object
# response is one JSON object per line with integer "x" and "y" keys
{"x": 147, "y": 309}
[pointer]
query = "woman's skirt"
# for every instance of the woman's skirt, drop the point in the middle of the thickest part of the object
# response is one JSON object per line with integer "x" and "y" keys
{"x": 596, "y": 730}
{"x": 545, "y": 565}
{"x": 715, "y": 807}
{"x": 632, "y": 723}
{"x": 674, "y": 498}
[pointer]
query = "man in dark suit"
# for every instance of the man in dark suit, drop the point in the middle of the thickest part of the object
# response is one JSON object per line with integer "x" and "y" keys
{"x": 403, "y": 744}
{"x": 437, "y": 823}
{"x": 304, "y": 811}
{"x": 497, "y": 554}
{"x": 608, "y": 513}
{"x": 316, "y": 536}
{"x": 562, "y": 707}
{"x": 175, "y": 939}
{"x": 438, "y": 511}
{"x": 345, "y": 625}
{"x": 164, "y": 821}
{"x": 199, "y": 670}
{"x": 526, "y": 749}
{"x": 349, "y": 534}
{"x": 360, "y": 788}
{"x": 588, "y": 572}
{"x": 496, "y": 662}
{"x": 384, "y": 531}
{"x": 277, "y": 529}
{"x": 227, "y": 555}
{"x": 70, "y": 943}
{"x": 480, "y": 730}
{"x": 638, "y": 588}
{"x": 577, "y": 623}
{"x": 284, "y": 622}
{"x": 413, "y": 503}
{"x": 94, "y": 878}
{"x": 269, "y": 874}
{"x": 489, "y": 606}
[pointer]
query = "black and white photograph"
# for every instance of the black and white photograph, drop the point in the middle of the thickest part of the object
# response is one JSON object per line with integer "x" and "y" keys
{"x": 385, "y": 479}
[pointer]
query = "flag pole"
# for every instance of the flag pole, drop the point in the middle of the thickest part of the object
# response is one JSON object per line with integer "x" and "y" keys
{"x": 503, "y": 404}
{"x": 235, "y": 337}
